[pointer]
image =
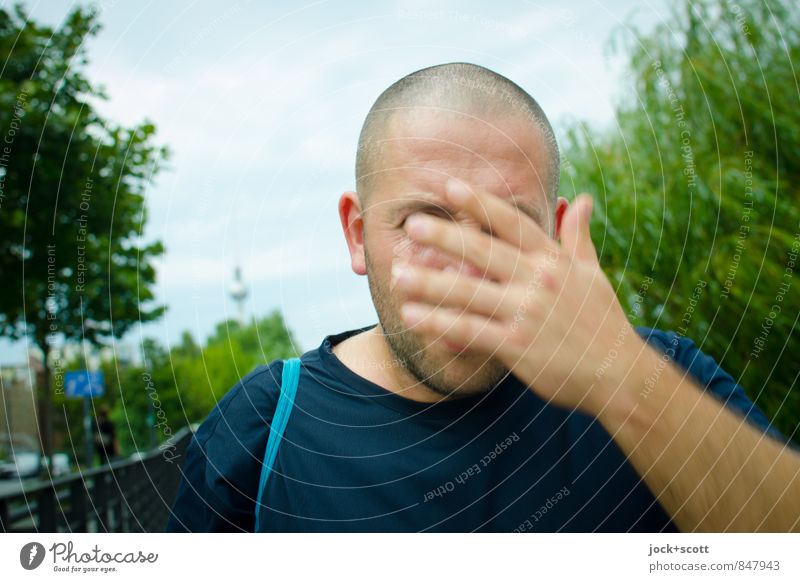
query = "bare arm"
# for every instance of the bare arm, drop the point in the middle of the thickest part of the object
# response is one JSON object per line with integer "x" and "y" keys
{"x": 550, "y": 314}
{"x": 710, "y": 469}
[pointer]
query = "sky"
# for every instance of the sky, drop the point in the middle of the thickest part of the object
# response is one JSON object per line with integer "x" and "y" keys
{"x": 261, "y": 104}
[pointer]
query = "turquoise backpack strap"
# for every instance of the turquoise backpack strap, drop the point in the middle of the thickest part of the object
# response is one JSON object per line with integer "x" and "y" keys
{"x": 289, "y": 379}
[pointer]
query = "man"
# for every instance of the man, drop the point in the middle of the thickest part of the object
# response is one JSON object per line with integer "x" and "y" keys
{"x": 503, "y": 388}
{"x": 105, "y": 437}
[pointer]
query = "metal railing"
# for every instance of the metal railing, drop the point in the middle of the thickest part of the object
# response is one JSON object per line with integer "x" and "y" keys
{"x": 133, "y": 495}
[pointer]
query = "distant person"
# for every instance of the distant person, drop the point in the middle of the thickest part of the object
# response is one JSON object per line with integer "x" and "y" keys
{"x": 503, "y": 388}
{"x": 105, "y": 436}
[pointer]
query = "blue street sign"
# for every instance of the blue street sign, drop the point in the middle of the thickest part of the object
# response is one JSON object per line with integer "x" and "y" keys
{"x": 84, "y": 384}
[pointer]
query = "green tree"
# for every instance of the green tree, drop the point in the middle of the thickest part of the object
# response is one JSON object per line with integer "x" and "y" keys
{"x": 697, "y": 187}
{"x": 202, "y": 377}
{"x": 72, "y": 198}
{"x": 178, "y": 387}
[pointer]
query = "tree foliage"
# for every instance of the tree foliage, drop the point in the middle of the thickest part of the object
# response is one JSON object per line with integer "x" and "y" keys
{"x": 696, "y": 216}
{"x": 180, "y": 386}
{"x": 72, "y": 188}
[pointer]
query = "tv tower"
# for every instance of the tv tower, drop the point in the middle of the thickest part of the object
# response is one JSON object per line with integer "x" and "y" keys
{"x": 238, "y": 293}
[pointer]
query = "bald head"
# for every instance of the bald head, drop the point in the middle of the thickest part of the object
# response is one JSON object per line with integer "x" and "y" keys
{"x": 458, "y": 90}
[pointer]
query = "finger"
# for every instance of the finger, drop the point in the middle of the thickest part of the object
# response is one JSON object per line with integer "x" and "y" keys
{"x": 452, "y": 289}
{"x": 492, "y": 256}
{"x": 458, "y": 330}
{"x": 500, "y": 217}
{"x": 576, "y": 238}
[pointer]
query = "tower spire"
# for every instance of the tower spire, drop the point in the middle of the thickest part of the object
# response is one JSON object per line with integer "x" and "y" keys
{"x": 238, "y": 292}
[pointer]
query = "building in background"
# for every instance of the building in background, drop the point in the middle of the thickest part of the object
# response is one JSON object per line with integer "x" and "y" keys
{"x": 18, "y": 405}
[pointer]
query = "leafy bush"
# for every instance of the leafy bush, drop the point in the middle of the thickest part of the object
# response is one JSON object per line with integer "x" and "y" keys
{"x": 697, "y": 187}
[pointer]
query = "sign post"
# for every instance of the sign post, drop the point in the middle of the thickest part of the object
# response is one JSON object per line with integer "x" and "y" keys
{"x": 86, "y": 385}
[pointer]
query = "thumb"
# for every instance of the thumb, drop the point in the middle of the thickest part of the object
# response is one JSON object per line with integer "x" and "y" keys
{"x": 575, "y": 236}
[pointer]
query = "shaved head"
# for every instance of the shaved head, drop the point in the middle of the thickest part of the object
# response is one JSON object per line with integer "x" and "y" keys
{"x": 458, "y": 90}
{"x": 454, "y": 122}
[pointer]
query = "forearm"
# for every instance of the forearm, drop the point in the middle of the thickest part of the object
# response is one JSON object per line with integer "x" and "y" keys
{"x": 709, "y": 468}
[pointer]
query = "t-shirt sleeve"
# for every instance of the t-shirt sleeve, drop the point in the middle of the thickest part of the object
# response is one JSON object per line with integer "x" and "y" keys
{"x": 220, "y": 475}
{"x": 720, "y": 383}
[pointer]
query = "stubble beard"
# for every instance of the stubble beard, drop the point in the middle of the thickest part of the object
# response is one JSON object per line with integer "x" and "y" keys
{"x": 453, "y": 375}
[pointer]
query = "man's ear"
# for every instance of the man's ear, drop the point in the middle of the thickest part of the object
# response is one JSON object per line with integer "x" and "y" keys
{"x": 561, "y": 208}
{"x": 353, "y": 227}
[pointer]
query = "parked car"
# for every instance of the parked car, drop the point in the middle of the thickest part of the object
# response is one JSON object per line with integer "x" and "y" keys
{"x": 25, "y": 461}
{"x": 60, "y": 464}
{"x": 21, "y": 465}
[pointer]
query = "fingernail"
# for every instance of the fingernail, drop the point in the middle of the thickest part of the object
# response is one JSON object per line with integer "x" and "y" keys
{"x": 416, "y": 225}
{"x": 411, "y": 314}
{"x": 400, "y": 274}
{"x": 457, "y": 191}
{"x": 587, "y": 208}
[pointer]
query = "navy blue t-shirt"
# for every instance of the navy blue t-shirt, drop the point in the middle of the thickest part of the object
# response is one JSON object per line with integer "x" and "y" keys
{"x": 357, "y": 457}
